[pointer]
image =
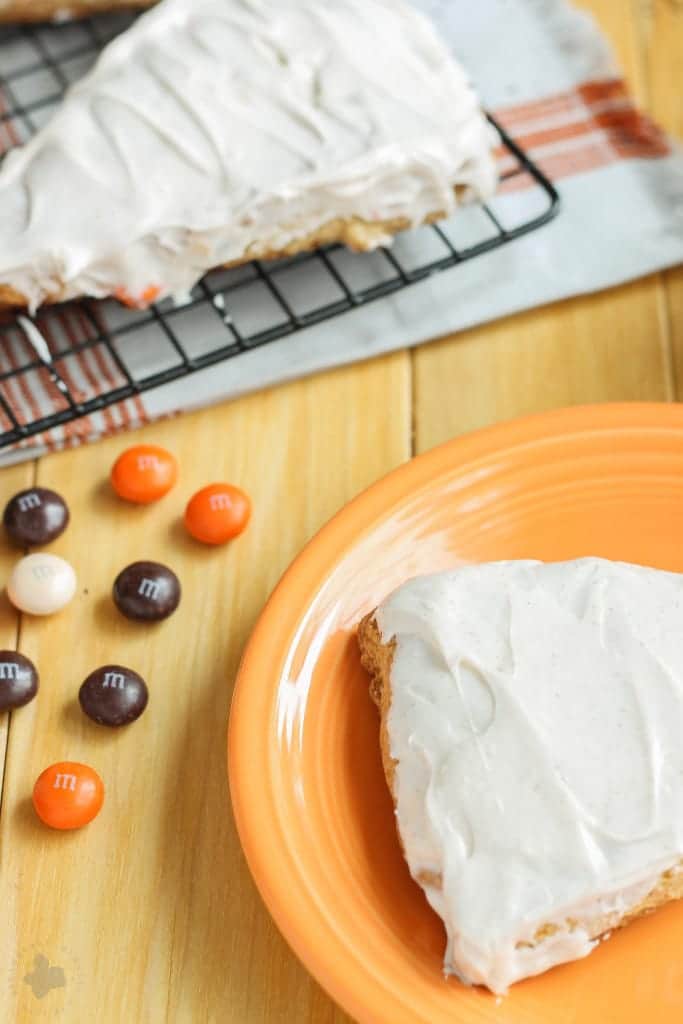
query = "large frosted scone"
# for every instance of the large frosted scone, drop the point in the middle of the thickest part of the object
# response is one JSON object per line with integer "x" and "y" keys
{"x": 532, "y": 738}
{"x": 216, "y": 131}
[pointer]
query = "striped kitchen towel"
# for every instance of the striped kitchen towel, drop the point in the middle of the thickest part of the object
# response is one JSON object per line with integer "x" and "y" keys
{"x": 548, "y": 74}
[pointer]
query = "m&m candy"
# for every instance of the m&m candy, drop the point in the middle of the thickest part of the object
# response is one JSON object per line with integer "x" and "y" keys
{"x": 68, "y": 795}
{"x": 18, "y": 680}
{"x": 217, "y": 513}
{"x": 146, "y": 591}
{"x": 113, "y": 695}
{"x": 41, "y": 584}
{"x": 35, "y": 516}
{"x": 144, "y": 473}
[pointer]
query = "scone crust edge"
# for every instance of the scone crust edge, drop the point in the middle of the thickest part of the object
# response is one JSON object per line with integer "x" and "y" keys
{"x": 47, "y": 10}
{"x": 353, "y": 232}
{"x": 376, "y": 658}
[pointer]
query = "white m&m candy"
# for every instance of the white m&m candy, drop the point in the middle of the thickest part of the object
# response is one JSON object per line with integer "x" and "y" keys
{"x": 41, "y": 584}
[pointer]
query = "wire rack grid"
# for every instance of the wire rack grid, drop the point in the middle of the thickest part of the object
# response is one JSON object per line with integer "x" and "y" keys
{"x": 87, "y": 356}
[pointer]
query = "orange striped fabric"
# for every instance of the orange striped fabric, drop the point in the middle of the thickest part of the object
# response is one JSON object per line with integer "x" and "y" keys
{"x": 584, "y": 129}
{"x": 9, "y": 135}
{"x": 574, "y": 132}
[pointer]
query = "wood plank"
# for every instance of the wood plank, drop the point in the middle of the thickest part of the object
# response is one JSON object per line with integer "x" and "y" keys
{"x": 661, "y": 39}
{"x": 606, "y": 347}
{"x": 674, "y": 303}
{"x": 150, "y": 910}
{"x": 661, "y": 24}
{"x": 14, "y": 479}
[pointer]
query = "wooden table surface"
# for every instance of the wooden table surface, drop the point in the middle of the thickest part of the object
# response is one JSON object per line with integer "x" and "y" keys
{"x": 150, "y": 913}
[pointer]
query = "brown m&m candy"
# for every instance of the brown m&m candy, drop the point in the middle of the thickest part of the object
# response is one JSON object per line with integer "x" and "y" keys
{"x": 18, "y": 680}
{"x": 35, "y": 516}
{"x": 113, "y": 695}
{"x": 146, "y": 591}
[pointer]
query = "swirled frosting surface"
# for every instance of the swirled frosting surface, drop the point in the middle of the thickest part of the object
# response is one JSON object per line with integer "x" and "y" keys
{"x": 537, "y": 721}
{"x": 213, "y": 129}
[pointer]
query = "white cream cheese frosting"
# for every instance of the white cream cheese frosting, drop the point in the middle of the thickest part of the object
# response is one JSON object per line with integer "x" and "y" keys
{"x": 537, "y": 723}
{"x": 214, "y": 129}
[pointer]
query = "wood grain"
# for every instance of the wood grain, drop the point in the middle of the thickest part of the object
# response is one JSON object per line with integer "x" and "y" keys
{"x": 661, "y": 35}
{"x": 604, "y": 347}
{"x": 151, "y": 911}
{"x": 660, "y": 24}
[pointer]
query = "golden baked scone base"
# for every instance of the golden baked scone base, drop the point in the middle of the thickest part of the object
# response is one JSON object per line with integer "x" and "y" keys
{"x": 376, "y": 658}
{"x": 353, "y": 232}
{"x": 47, "y": 10}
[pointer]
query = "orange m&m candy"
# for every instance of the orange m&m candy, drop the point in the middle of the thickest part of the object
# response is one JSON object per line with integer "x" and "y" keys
{"x": 68, "y": 795}
{"x": 217, "y": 513}
{"x": 144, "y": 473}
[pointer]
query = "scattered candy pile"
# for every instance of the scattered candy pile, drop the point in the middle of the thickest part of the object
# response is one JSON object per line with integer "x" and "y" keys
{"x": 68, "y": 794}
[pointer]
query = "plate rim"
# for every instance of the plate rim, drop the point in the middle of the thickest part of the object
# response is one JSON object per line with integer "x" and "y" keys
{"x": 247, "y": 702}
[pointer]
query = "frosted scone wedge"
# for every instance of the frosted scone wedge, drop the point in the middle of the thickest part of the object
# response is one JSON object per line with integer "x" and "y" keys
{"x": 532, "y": 738}
{"x": 214, "y": 132}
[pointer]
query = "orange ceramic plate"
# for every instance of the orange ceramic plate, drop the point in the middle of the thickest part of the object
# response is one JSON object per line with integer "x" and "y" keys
{"x": 307, "y": 785}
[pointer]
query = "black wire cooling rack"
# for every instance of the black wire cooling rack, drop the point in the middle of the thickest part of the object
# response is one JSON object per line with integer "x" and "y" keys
{"x": 89, "y": 355}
